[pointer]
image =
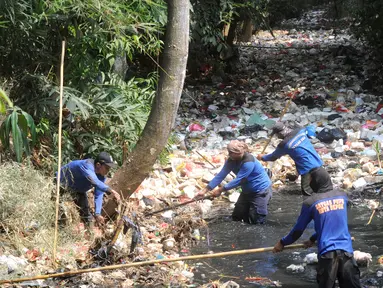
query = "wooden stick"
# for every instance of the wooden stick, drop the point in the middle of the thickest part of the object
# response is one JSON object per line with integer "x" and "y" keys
{"x": 179, "y": 205}
{"x": 280, "y": 118}
{"x": 59, "y": 148}
{"x": 207, "y": 160}
{"x": 372, "y": 214}
{"x": 136, "y": 264}
{"x": 120, "y": 221}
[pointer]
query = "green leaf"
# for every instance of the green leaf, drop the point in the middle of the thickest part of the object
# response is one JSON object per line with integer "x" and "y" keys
{"x": 16, "y": 136}
{"x": 24, "y": 138}
{"x": 7, "y": 130}
{"x": 3, "y": 137}
{"x": 4, "y": 100}
{"x": 3, "y": 109}
{"x": 23, "y": 124}
{"x": 31, "y": 125}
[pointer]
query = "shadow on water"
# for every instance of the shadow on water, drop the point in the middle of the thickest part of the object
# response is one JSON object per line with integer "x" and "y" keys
{"x": 224, "y": 235}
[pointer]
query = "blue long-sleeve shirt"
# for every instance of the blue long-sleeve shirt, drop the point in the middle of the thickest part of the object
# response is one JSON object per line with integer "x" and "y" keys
{"x": 298, "y": 146}
{"x": 80, "y": 176}
{"x": 329, "y": 212}
{"x": 250, "y": 175}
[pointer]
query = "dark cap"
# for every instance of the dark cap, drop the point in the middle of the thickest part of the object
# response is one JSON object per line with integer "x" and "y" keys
{"x": 105, "y": 158}
{"x": 278, "y": 127}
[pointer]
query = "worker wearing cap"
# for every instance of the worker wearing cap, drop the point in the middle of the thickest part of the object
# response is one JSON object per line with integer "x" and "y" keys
{"x": 297, "y": 145}
{"x": 80, "y": 176}
{"x": 251, "y": 206}
{"x": 328, "y": 209}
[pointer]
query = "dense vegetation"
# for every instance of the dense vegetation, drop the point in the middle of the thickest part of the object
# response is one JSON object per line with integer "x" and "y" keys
{"x": 110, "y": 65}
{"x": 106, "y": 104}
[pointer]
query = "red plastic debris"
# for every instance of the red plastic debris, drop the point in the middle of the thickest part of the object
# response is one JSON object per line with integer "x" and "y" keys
{"x": 195, "y": 127}
{"x": 370, "y": 124}
{"x": 341, "y": 108}
{"x": 32, "y": 255}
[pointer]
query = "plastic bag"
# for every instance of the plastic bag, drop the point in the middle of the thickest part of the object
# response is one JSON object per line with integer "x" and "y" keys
{"x": 329, "y": 135}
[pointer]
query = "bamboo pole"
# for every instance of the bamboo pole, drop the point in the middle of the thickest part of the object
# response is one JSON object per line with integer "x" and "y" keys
{"x": 372, "y": 215}
{"x": 207, "y": 160}
{"x": 280, "y": 118}
{"x": 136, "y": 264}
{"x": 59, "y": 148}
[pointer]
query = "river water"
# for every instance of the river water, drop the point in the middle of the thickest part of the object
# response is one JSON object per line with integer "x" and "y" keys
{"x": 223, "y": 234}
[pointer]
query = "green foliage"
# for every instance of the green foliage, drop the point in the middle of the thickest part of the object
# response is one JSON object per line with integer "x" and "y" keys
{"x": 208, "y": 19}
{"x": 19, "y": 125}
{"x": 4, "y": 101}
{"x": 163, "y": 158}
{"x": 369, "y": 23}
{"x": 102, "y": 108}
{"x": 95, "y": 31}
{"x": 105, "y": 116}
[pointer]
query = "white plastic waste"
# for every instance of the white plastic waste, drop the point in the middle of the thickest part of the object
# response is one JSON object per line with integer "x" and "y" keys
{"x": 295, "y": 268}
{"x": 233, "y": 197}
{"x": 168, "y": 214}
{"x": 311, "y": 258}
{"x": 12, "y": 262}
{"x": 360, "y": 183}
{"x": 190, "y": 191}
{"x": 188, "y": 274}
{"x": 362, "y": 258}
{"x": 372, "y": 204}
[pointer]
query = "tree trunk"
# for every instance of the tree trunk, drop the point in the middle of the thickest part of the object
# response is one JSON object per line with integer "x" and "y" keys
{"x": 232, "y": 33}
{"x": 247, "y": 31}
{"x": 165, "y": 105}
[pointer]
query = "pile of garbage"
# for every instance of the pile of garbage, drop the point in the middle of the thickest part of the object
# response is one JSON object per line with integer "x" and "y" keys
{"x": 319, "y": 78}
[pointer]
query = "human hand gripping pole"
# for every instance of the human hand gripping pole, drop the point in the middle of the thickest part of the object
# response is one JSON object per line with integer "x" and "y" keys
{"x": 115, "y": 194}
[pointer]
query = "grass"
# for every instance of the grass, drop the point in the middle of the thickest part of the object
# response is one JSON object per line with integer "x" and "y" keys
{"x": 27, "y": 211}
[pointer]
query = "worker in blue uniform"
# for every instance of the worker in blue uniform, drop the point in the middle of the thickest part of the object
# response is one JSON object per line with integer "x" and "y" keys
{"x": 251, "y": 206}
{"x": 297, "y": 145}
{"x": 328, "y": 209}
{"x": 79, "y": 176}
